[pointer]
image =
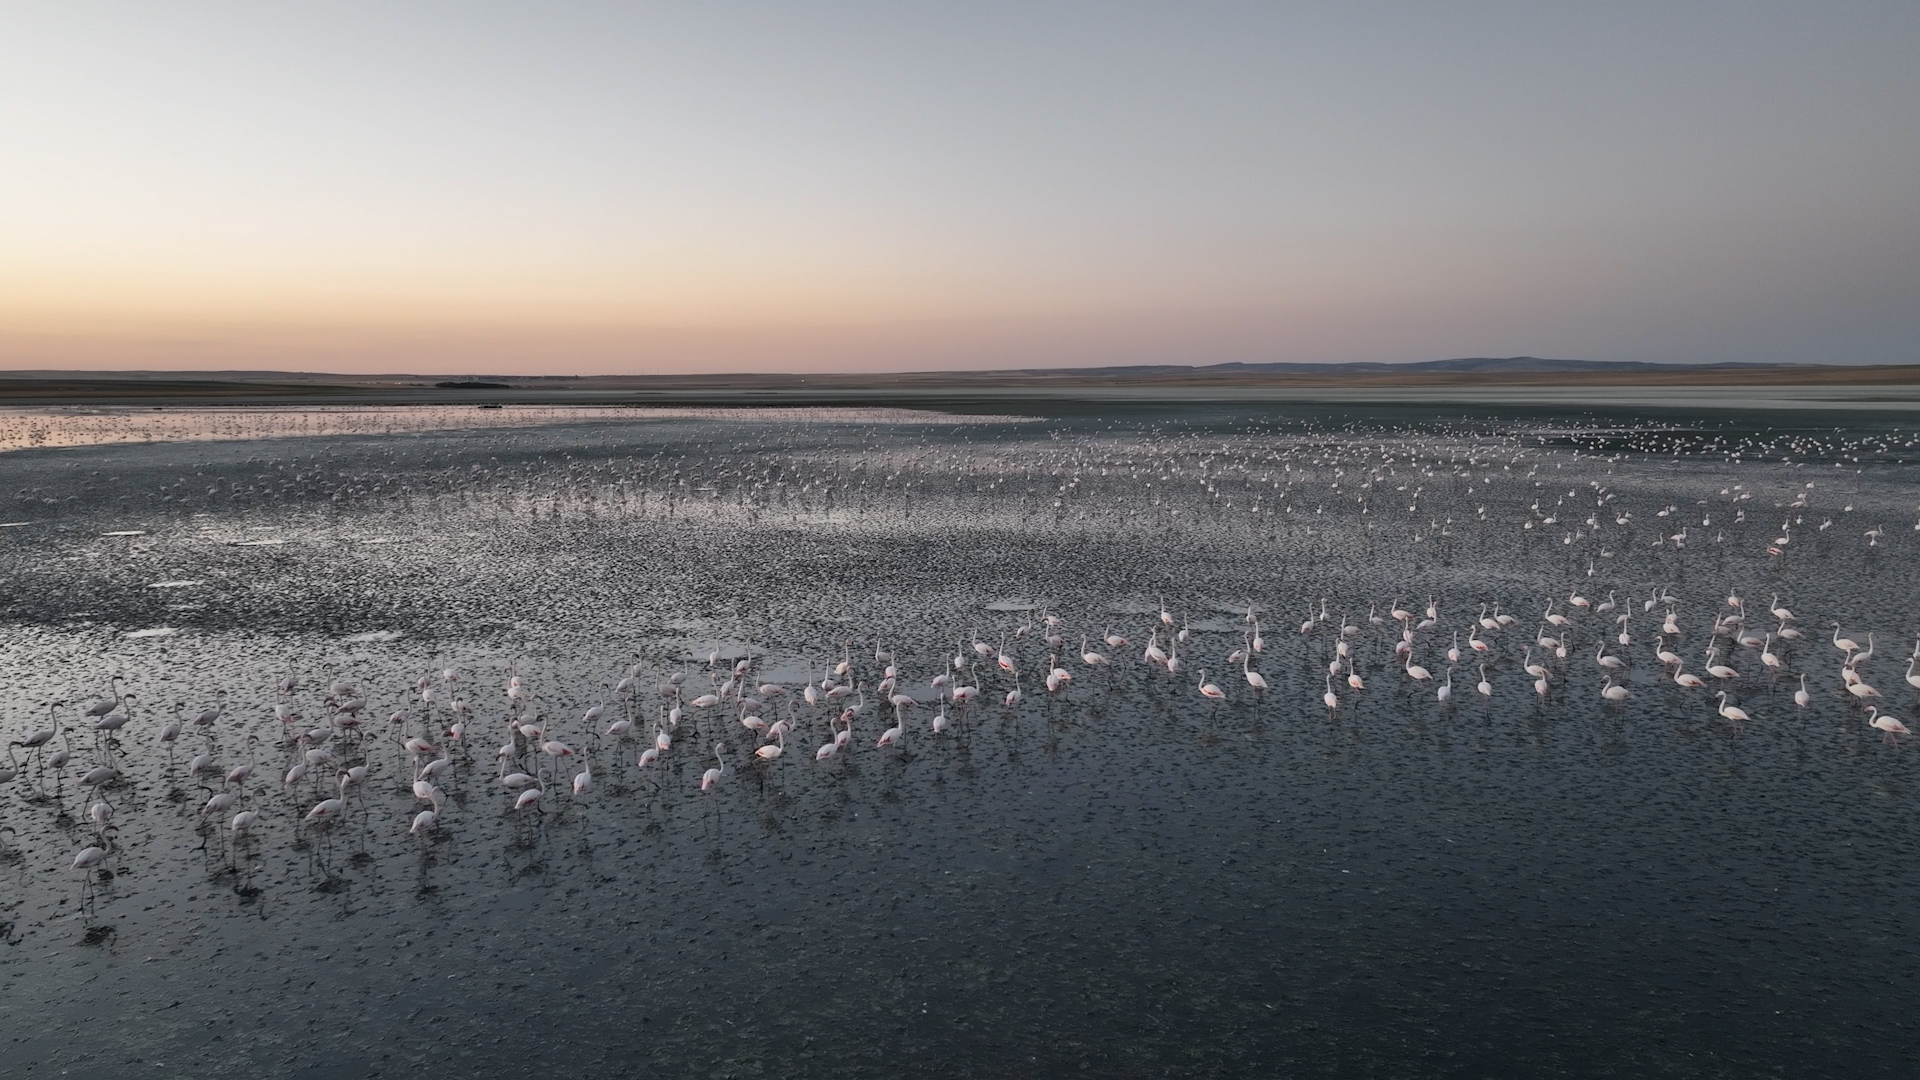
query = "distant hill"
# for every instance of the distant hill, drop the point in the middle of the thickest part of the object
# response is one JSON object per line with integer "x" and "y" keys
{"x": 1481, "y": 365}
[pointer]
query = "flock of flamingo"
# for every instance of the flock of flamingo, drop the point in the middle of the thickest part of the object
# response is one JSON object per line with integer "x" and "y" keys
{"x": 329, "y": 755}
{"x": 818, "y": 705}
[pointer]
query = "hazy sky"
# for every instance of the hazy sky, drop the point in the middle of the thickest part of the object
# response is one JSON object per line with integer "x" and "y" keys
{"x": 579, "y": 188}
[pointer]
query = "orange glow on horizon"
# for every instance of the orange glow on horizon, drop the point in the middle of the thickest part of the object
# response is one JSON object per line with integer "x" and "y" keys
{"x": 396, "y": 188}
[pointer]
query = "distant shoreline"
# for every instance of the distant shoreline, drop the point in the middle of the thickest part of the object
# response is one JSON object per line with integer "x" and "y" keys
{"x": 1514, "y": 381}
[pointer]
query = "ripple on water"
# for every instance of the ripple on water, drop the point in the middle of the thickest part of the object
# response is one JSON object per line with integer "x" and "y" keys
{"x": 1118, "y": 878}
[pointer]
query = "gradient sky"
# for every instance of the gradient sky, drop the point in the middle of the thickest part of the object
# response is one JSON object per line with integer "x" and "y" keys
{"x": 583, "y": 188}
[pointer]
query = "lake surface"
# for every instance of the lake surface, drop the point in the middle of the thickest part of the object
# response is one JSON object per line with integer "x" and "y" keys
{"x": 1120, "y": 878}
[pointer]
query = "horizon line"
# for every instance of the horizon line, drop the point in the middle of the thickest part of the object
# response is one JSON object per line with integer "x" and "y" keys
{"x": 1085, "y": 369}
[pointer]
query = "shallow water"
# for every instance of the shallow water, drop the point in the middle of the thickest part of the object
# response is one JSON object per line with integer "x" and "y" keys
{"x": 23, "y": 427}
{"x": 1119, "y": 879}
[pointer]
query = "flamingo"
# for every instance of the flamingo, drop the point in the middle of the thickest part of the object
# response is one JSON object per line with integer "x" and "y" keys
{"x": 1717, "y": 669}
{"x": 892, "y": 736}
{"x": 1538, "y": 671}
{"x": 1731, "y": 713}
{"x": 1088, "y": 656}
{"x": 773, "y": 750}
{"x": 1845, "y": 645}
{"x": 102, "y": 706}
{"x": 1209, "y": 690}
{"x": 1887, "y": 724}
{"x": 93, "y": 855}
{"x": 711, "y": 778}
{"x": 1769, "y": 659}
{"x": 1154, "y": 654}
{"x": 1254, "y": 678}
{"x": 1867, "y": 653}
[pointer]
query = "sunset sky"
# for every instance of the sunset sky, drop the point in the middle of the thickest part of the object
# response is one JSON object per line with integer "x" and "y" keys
{"x": 584, "y": 188}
